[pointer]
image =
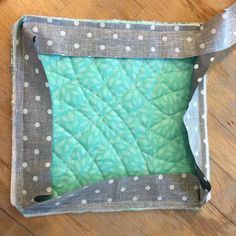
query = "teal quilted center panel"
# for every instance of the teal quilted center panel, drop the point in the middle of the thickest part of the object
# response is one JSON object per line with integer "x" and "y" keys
{"x": 117, "y": 117}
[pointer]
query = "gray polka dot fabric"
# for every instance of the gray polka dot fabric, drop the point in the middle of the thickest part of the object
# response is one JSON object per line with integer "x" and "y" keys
{"x": 32, "y": 109}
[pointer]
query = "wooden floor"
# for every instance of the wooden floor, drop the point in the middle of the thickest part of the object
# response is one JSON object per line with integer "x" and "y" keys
{"x": 217, "y": 217}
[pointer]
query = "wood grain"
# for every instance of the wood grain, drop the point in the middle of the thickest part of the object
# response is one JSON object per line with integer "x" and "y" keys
{"x": 216, "y": 218}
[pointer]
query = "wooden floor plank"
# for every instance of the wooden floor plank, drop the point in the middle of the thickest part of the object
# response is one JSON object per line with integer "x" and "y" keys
{"x": 222, "y": 146}
{"x": 10, "y": 227}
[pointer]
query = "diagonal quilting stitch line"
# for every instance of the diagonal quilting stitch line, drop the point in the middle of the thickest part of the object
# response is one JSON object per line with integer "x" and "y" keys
{"x": 121, "y": 138}
{"x": 126, "y": 126}
{"x": 167, "y": 85}
{"x": 77, "y": 141}
{"x": 71, "y": 171}
{"x": 146, "y": 99}
{"x": 114, "y": 149}
{"x": 92, "y": 122}
{"x": 168, "y": 117}
{"x": 111, "y": 109}
{"x": 157, "y": 134}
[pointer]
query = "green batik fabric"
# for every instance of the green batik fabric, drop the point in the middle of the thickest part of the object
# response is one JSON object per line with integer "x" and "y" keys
{"x": 117, "y": 117}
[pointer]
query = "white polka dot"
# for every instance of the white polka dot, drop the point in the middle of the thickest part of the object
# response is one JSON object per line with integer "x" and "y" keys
{"x": 202, "y": 92}
{"x": 24, "y": 164}
{"x": 102, "y": 25}
{"x": 172, "y": 187}
{"x": 89, "y": 35}
{"x": 76, "y": 23}
{"x": 213, "y": 31}
{"x": 224, "y": 15}
{"x": 184, "y": 198}
{"x": 176, "y": 28}
{"x": 49, "y": 20}
{"x": 84, "y": 201}
{"x": 177, "y": 50}
{"x": 57, "y": 203}
{"x": 37, "y": 98}
{"x": 127, "y": 48}
{"x": 196, "y": 66}
{"x": 109, "y": 200}
{"x": 25, "y": 138}
{"x": 26, "y": 84}
{"x": 62, "y": 33}
{"x": 47, "y": 164}
{"x": 201, "y": 27}
{"x": 36, "y": 151}
{"x": 36, "y": 70}
{"x": 159, "y": 198}
{"x": 49, "y": 42}
{"x": 24, "y": 192}
{"x": 199, "y": 79}
{"x": 35, "y": 178}
{"x": 164, "y": 38}
{"x": 184, "y": 176}
{"x": 135, "y": 198}
{"x": 196, "y": 187}
{"x": 35, "y": 29}
{"x": 49, "y": 189}
{"x": 97, "y": 191}
{"x": 152, "y": 27}
{"x": 37, "y": 124}
{"x": 71, "y": 195}
{"x": 234, "y": 33}
{"x": 160, "y": 177}
{"x": 153, "y": 49}
{"x": 127, "y": 26}
{"x": 122, "y": 189}
{"x": 26, "y": 57}
{"x": 140, "y": 37}
{"x": 135, "y": 178}
{"x": 147, "y": 188}
{"x": 196, "y": 153}
{"x": 203, "y": 116}
{"x": 49, "y": 138}
{"x": 46, "y": 84}
{"x": 111, "y": 181}
{"x": 188, "y": 116}
{"x": 212, "y": 59}
{"x": 202, "y": 45}
{"x": 76, "y": 45}
{"x": 49, "y": 111}
{"x": 25, "y": 111}
{"x": 115, "y": 36}
{"x": 189, "y": 39}
{"x": 102, "y": 47}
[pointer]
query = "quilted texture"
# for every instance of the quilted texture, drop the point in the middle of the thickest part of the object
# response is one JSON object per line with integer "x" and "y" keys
{"x": 117, "y": 117}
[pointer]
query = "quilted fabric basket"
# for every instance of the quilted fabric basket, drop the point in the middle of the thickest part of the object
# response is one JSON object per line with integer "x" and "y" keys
{"x": 111, "y": 115}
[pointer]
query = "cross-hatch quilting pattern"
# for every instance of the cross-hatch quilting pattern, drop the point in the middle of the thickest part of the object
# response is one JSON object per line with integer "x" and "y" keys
{"x": 117, "y": 117}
